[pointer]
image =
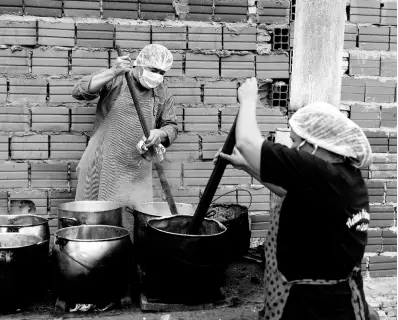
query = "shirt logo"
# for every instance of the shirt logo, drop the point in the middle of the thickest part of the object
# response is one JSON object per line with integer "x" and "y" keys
{"x": 360, "y": 221}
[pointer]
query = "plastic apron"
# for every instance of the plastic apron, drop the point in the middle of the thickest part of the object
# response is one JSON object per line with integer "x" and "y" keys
{"x": 277, "y": 288}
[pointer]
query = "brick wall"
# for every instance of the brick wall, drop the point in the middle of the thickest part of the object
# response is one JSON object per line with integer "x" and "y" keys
{"x": 46, "y": 46}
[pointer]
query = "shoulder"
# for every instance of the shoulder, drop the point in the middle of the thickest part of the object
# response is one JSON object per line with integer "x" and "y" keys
{"x": 162, "y": 91}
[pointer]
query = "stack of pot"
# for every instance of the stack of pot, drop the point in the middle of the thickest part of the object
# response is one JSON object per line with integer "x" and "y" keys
{"x": 24, "y": 247}
{"x": 91, "y": 256}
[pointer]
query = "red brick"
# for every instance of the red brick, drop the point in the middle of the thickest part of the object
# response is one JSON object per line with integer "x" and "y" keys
{"x": 389, "y": 117}
{"x": 392, "y": 142}
{"x": 133, "y": 36}
{"x": 233, "y": 176}
{"x": 11, "y": 7}
{"x": 176, "y": 69}
{"x": 4, "y": 148}
{"x": 14, "y": 119}
{"x": 29, "y": 147}
{"x": 211, "y": 144}
{"x": 197, "y": 173}
{"x": 230, "y": 10}
{"x": 50, "y": 119}
{"x": 39, "y": 198}
{"x": 389, "y": 21}
{"x": 13, "y": 175}
{"x": 157, "y": 10}
{"x": 272, "y": 66}
{"x": 199, "y": 10}
{"x": 88, "y": 62}
{"x": 94, "y": 35}
{"x": 73, "y": 175}
{"x": 44, "y": 8}
{"x": 67, "y": 147}
{"x": 237, "y": 66}
{"x": 273, "y": 11}
{"x": 350, "y": 36}
{"x": 184, "y": 148}
{"x": 57, "y": 198}
{"x": 365, "y": 4}
{"x": 200, "y": 119}
{"x": 352, "y": 89}
{"x": 45, "y": 175}
{"x": 180, "y": 118}
{"x": 3, "y": 89}
{"x": 83, "y": 118}
{"x": 220, "y": 92}
{"x": 172, "y": 172}
{"x": 82, "y": 8}
{"x": 361, "y": 18}
{"x": 205, "y": 37}
{"x": 120, "y": 9}
{"x": 61, "y": 90}
{"x": 388, "y": 67}
{"x": 56, "y": 34}
{"x": 21, "y": 33}
{"x": 200, "y": 65}
{"x": 244, "y": 39}
{"x": 31, "y": 90}
{"x": 378, "y": 141}
{"x": 49, "y": 62}
{"x": 187, "y": 92}
{"x": 173, "y": 38}
{"x": 391, "y": 193}
{"x": 16, "y": 62}
{"x": 383, "y": 171}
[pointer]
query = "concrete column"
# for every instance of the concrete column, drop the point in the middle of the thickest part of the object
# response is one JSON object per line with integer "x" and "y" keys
{"x": 318, "y": 51}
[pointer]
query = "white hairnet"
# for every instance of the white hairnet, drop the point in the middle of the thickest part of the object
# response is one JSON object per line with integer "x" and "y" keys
{"x": 155, "y": 56}
{"x": 324, "y": 125}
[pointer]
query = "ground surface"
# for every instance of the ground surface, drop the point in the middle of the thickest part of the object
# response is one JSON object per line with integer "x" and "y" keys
{"x": 243, "y": 289}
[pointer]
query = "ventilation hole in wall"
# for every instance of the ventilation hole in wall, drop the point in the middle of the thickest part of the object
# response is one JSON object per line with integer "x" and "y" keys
{"x": 293, "y": 10}
{"x": 280, "y": 94}
{"x": 280, "y": 39}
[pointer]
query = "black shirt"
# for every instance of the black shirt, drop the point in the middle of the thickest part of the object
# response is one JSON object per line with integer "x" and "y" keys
{"x": 316, "y": 238}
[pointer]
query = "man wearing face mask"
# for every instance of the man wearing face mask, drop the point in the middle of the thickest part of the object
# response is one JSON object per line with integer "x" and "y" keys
{"x": 113, "y": 166}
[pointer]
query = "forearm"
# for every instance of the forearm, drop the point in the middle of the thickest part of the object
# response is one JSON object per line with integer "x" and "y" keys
{"x": 100, "y": 79}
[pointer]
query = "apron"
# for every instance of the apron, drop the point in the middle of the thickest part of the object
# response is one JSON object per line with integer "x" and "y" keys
{"x": 277, "y": 288}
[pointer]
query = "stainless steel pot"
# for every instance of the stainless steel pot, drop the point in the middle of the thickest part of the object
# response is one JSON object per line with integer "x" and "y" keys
{"x": 26, "y": 224}
{"x": 89, "y": 213}
{"x": 22, "y": 261}
{"x": 91, "y": 263}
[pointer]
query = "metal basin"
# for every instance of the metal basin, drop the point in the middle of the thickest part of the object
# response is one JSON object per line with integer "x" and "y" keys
{"x": 22, "y": 261}
{"x": 26, "y": 224}
{"x": 91, "y": 264}
{"x": 146, "y": 211}
{"x": 89, "y": 213}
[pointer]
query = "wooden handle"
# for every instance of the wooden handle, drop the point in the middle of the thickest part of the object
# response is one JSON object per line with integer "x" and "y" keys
{"x": 213, "y": 183}
{"x": 145, "y": 128}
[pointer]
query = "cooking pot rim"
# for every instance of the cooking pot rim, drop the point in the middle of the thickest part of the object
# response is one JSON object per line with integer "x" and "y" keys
{"x": 112, "y": 206}
{"x": 224, "y": 228}
{"x": 9, "y": 234}
{"x": 45, "y": 220}
{"x": 56, "y": 234}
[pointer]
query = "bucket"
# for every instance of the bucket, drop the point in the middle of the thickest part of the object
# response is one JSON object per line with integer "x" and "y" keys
{"x": 184, "y": 268}
{"x": 22, "y": 273}
{"x": 147, "y": 210}
{"x": 236, "y": 218}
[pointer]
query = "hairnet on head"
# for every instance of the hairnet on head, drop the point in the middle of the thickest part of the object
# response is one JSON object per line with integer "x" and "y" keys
{"x": 154, "y": 56}
{"x": 324, "y": 125}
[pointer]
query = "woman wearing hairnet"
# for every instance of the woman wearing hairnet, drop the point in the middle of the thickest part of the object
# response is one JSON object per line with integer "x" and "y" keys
{"x": 316, "y": 243}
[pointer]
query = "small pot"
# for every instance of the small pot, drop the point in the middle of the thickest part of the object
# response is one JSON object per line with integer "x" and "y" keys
{"x": 22, "y": 268}
{"x": 26, "y": 224}
{"x": 91, "y": 263}
{"x": 89, "y": 213}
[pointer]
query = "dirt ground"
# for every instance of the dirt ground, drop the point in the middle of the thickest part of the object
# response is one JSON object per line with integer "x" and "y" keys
{"x": 243, "y": 291}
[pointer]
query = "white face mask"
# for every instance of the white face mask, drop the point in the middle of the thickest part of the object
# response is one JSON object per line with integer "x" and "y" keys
{"x": 150, "y": 79}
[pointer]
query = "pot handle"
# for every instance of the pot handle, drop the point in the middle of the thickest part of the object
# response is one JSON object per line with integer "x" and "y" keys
{"x": 68, "y": 222}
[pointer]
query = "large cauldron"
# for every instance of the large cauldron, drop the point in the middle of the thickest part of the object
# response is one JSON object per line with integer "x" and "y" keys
{"x": 26, "y": 224}
{"x": 147, "y": 210}
{"x": 90, "y": 213}
{"x": 22, "y": 260}
{"x": 91, "y": 263}
{"x": 184, "y": 268}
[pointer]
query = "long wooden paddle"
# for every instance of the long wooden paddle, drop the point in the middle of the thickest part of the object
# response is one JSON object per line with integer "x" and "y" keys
{"x": 145, "y": 128}
{"x": 212, "y": 184}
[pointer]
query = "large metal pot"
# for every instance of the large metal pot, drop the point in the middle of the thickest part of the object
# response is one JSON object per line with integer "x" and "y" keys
{"x": 91, "y": 264}
{"x": 90, "y": 213}
{"x": 147, "y": 210}
{"x": 22, "y": 260}
{"x": 26, "y": 224}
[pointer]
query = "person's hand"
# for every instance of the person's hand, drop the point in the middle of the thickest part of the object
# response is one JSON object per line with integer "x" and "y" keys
{"x": 235, "y": 159}
{"x": 121, "y": 65}
{"x": 155, "y": 137}
{"x": 248, "y": 92}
